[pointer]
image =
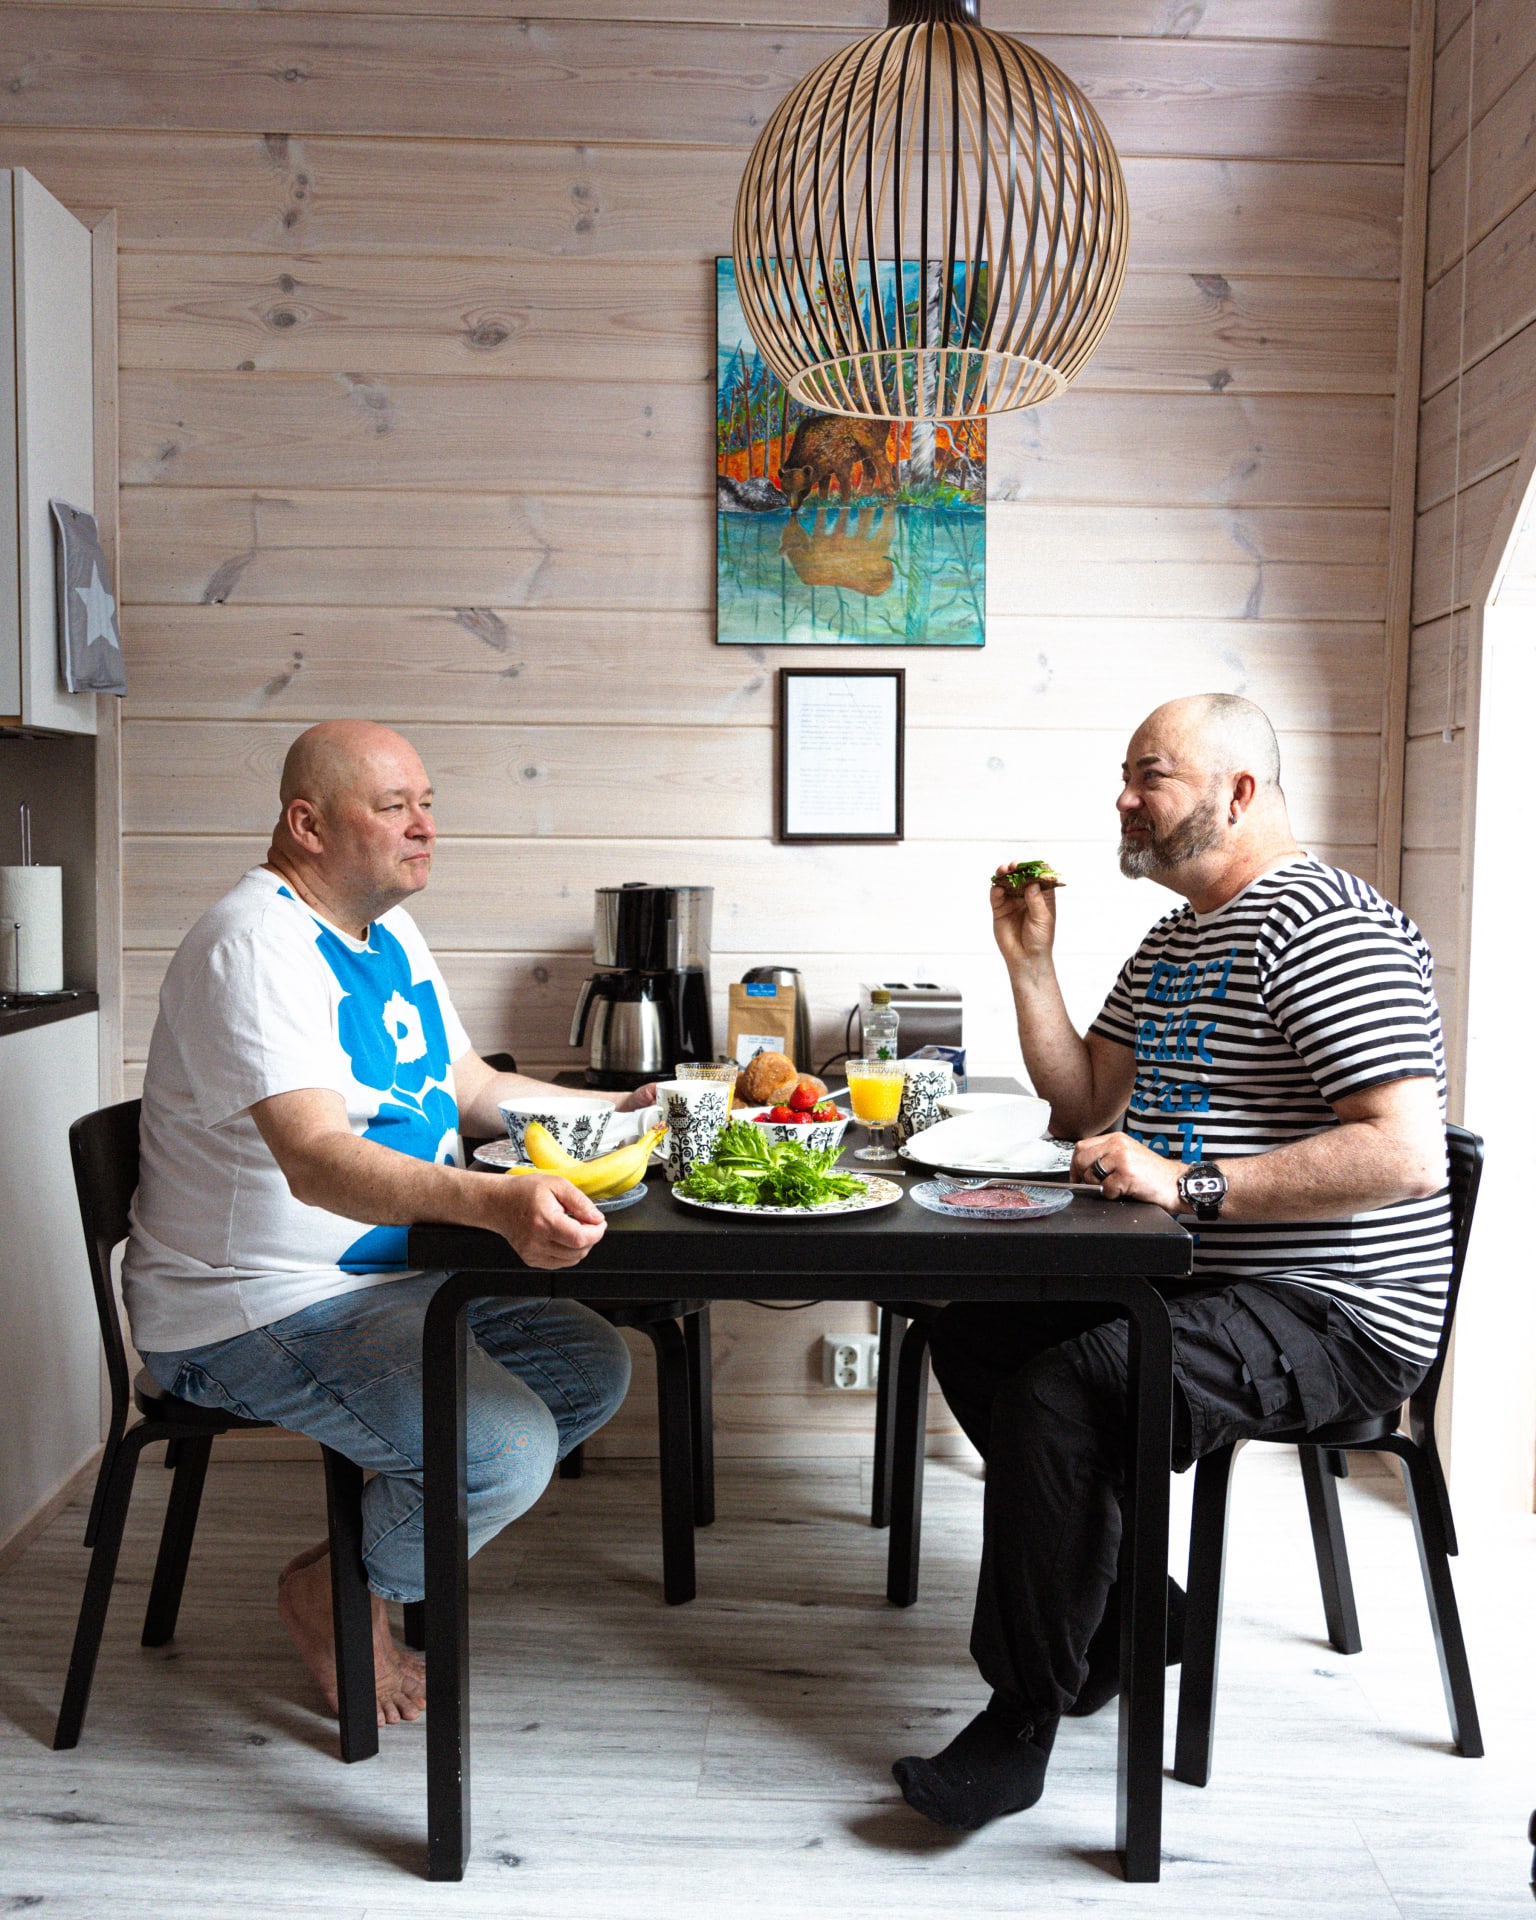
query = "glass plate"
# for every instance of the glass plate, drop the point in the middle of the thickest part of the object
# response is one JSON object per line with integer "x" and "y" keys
{"x": 502, "y": 1154}
{"x": 499, "y": 1153}
{"x": 622, "y": 1200}
{"x": 881, "y": 1193}
{"x": 947, "y": 1197}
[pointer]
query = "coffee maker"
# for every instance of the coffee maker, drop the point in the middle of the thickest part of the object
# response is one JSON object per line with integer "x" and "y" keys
{"x": 649, "y": 1006}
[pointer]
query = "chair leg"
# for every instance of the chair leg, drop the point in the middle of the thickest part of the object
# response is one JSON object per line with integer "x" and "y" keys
{"x": 892, "y": 1327}
{"x": 570, "y": 1467}
{"x": 701, "y": 1414}
{"x": 1445, "y": 1618}
{"x": 1337, "y": 1461}
{"x": 176, "y": 1540}
{"x": 1202, "y": 1622}
{"x": 911, "y": 1431}
{"x": 351, "y": 1608}
{"x": 1332, "y": 1556}
{"x": 413, "y": 1625}
{"x": 109, "y": 1449}
{"x": 674, "y": 1426}
{"x": 1434, "y": 1475}
{"x": 98, "y": 1586}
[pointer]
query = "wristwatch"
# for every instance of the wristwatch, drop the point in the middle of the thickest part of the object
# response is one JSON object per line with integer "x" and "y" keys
{"x": 1202, "y": 1189}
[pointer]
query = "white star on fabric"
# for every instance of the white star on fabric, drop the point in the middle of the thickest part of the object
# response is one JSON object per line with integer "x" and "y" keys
{"x": 99, "y": 607}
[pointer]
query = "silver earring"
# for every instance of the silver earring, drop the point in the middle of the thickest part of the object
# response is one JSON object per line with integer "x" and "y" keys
{"x": 1232, "y": 817}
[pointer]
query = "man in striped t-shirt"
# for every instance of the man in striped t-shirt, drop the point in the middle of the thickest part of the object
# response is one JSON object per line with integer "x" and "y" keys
{"x": 1269, "y": 1066}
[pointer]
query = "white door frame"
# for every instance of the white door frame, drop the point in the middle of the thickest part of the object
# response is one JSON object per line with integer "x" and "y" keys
{"x": 1492, "y": 1411}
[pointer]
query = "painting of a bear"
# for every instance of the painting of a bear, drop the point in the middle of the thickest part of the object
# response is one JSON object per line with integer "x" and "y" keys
{"x": 833, "y": 530}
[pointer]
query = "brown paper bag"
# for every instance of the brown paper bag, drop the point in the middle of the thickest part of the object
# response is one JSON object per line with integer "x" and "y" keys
{"x": 762, "y": 1020}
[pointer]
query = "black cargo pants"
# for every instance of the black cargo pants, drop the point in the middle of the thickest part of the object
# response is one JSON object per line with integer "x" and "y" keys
{"x": 1042, "y": 1393}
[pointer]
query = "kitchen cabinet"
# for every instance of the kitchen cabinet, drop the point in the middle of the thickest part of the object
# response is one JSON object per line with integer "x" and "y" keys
{"x": 50, "y": 1345}
{"x": 46, "y": 440}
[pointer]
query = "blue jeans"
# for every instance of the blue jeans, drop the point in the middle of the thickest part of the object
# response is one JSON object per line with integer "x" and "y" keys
{"x": 542, "y": 1375}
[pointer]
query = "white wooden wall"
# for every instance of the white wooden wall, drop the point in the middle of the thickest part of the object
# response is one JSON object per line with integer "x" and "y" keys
{"x": 1478, "y": 411}
{"x": 416, "y": 361}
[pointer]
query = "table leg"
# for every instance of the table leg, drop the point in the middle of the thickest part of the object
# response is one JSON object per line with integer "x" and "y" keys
{"x": 892, "y": 1327}
{"x": 701, "y": 1414}
{"x": 447, "y": 1570}
{"x": 1144, "y": 1585}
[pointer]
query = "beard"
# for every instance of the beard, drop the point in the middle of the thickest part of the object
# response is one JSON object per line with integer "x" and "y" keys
{"x": 1160, "y": 855}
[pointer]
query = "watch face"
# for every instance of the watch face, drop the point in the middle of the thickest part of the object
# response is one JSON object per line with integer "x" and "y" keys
{"x": 1204, "y": 1186}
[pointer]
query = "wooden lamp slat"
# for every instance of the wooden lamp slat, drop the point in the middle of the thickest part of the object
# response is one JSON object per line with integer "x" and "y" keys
{"x": 938, "y": 146}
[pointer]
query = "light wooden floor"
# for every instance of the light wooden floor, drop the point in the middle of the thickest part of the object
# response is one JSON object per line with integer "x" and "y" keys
{"x": 730, "y": 1757}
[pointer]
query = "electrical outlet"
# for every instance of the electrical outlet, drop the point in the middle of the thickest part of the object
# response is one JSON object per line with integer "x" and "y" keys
{"x": 850, "y": 1362}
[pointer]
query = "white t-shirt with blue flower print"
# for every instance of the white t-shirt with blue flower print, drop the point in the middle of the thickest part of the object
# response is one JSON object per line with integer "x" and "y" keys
{"x": 265, "y": 997}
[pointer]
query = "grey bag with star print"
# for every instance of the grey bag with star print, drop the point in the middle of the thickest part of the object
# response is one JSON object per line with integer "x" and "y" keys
{"x": 90, "y": 646}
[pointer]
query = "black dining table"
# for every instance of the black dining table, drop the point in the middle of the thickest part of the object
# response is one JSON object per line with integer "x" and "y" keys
{"x": 1104, "y": 1252}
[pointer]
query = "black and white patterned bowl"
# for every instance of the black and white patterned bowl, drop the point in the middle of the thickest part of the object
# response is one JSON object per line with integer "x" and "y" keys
{"x": 816, "y": 1136}
{"x": 576, "y": 1125}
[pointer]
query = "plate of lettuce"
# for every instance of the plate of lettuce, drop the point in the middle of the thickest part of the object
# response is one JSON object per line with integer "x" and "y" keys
{"x": 752, "y": 1175}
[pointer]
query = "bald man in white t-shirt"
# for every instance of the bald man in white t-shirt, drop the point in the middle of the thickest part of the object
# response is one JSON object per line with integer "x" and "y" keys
{"x": 307, "y": 1084}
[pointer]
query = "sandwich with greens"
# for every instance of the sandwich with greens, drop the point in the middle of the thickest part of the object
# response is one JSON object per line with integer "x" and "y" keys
{"x": 1017, "y": 876}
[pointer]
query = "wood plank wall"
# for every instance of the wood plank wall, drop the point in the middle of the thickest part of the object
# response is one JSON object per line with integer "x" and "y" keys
{"x": 1478, "y": 392}
{"x": 416, "y": 353}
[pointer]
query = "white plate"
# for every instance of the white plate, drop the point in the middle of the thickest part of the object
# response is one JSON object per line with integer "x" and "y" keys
{"x": 1039, "y": 1157}
{"x": 943, "y": 1197}
{"x": 881, "y": 1193}
{"x": 952, "y": 1105}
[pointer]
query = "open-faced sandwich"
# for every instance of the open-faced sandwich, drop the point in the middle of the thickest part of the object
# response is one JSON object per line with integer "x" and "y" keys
{"x": 1017, "y": 876}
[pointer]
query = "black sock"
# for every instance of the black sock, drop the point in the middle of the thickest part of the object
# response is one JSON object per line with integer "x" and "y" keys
{"x": 994, "y": 1766}
{"x": 1102, "y": 1682}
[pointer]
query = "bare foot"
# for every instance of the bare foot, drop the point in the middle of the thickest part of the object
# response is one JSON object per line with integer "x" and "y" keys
{"x": 304, "y": 1602}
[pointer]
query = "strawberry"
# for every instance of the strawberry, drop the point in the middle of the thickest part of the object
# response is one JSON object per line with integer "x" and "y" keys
{"x": 783, "y": 1113}
{"x": 803, "y": 1098}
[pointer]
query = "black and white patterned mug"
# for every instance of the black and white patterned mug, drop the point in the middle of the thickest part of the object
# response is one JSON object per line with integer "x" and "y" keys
{"x": 927, "y": 1083}
{"x": 695, "y": 1114}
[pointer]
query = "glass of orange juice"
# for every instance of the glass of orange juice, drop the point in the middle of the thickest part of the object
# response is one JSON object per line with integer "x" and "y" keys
{"x": 874, "y": 1092}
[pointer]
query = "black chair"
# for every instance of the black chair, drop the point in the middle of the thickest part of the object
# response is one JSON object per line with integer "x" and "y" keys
{"x": 678, "y": 1331}
{"x": 104, "y": 1147}
{"x": 901, "y": 1432}
{"x": 1429, "y": 1506}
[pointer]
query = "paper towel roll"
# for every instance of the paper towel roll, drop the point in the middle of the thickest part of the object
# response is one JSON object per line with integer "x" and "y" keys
{"x": 35, "y": 897}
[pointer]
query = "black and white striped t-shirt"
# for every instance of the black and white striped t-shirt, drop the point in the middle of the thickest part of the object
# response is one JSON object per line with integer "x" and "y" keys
{"x": 1246, "y": 1023}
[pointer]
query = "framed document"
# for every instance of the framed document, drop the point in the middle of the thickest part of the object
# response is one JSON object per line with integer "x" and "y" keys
{"x": 842, "y": 751}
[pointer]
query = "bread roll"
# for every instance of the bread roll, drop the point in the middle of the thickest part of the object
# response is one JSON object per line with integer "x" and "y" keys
{"x": 769, "y": 1080}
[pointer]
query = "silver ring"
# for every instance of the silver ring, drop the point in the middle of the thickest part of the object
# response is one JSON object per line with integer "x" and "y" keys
{"x": 1099, "y": 1170}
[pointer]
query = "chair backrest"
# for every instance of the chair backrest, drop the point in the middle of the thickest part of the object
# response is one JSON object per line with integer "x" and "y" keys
{"x": 1464, "y": 1151}
{"x": 104, "y": 1147}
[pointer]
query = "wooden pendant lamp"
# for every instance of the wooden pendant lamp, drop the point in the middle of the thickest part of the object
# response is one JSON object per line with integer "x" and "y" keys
{"x": 960, "y": 167}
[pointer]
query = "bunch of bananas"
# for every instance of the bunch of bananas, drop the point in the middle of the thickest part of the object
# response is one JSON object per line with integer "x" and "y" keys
{"x": 602, "y": 1179}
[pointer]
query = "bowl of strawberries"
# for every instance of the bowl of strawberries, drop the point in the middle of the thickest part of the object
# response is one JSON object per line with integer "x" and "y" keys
{"x": 807, "y": 1117}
